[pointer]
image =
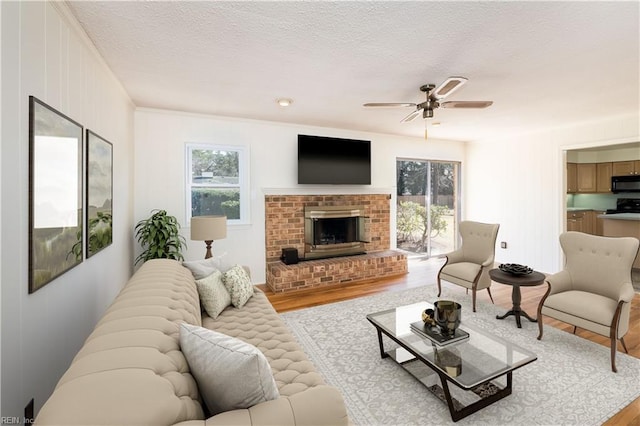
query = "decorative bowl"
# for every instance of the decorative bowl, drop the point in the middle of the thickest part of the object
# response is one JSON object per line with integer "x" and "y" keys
{"x": 515, "y": 269}
{"x": 428, "y": 317}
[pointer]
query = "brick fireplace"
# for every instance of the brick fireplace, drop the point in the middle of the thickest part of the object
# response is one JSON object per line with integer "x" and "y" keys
{"x": 285, "y": 227}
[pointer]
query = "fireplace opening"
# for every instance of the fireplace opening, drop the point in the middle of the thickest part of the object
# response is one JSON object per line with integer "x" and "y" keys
{"x": 332, "y": 231}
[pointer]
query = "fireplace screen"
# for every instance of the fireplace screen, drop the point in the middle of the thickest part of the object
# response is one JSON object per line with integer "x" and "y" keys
{"x": 334, "y": 231}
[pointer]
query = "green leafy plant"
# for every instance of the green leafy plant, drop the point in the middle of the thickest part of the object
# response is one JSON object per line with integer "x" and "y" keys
{"x": 412, "y": 222}
{"x": 160, "y": 238}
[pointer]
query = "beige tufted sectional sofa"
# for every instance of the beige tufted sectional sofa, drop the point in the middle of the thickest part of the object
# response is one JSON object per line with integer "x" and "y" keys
{"x": 131, "y": 370}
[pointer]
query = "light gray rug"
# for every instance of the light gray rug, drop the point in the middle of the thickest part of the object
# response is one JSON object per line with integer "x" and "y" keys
{"x": 571, "y": 382}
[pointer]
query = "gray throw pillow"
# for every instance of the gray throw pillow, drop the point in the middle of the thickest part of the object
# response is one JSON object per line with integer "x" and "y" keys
{"x": 230, "y": 373}
{"x": 238, "y": 284}
{"x": 201, "y": 268}
{"x": 213, "y": 294}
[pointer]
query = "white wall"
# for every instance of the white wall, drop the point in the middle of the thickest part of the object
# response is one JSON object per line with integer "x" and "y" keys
{"x": 160, "y": 170}
{"x": 520, "y": 183}
{"x": 605, "y": 155}
{"x": 44, "y": 54}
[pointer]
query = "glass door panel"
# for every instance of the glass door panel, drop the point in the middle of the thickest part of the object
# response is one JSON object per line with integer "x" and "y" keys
{"x": 428, "y": 207}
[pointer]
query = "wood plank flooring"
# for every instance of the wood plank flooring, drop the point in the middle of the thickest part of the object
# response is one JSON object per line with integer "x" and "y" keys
{"x": 423, "y": 272}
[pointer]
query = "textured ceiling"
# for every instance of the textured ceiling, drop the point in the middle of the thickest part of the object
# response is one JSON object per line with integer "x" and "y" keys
{"x": 544, "y": 64}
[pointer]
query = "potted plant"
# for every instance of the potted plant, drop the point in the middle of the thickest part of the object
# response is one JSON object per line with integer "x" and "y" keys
{"x": 159, "y": 237}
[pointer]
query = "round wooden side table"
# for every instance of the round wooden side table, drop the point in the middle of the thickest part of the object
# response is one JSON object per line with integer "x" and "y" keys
{"x": 517, "y": 281}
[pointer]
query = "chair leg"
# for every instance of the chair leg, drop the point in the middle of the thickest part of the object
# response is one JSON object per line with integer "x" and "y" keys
{"x": 613, "y": 354}
{"x": 613, "y": 335}
{"x": 490, "y": 296}
{"x": 623, "y": 345}
{"x": 473, "y": 297}
{"x": 574, "y": 329}
{"x": 539, "y": 325}
{"x": 540, "y": 310}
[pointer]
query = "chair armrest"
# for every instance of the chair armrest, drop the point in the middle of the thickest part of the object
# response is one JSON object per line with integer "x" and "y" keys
{"x": 626, "y": 293}
{"x": 321, "y": 405}
{"x": 455, "y": 257}
{"x": 559, "y": 282}
{"x": 488, "y": 263}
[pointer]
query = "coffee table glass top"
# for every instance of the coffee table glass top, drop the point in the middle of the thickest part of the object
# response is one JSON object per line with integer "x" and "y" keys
{"x": 481, "y": 357}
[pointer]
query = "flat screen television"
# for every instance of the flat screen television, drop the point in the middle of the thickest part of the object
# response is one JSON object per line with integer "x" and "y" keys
{"x": 333, "y": 161}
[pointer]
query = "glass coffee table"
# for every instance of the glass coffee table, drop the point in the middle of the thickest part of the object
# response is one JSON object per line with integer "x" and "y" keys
{"x": 477, "y": 366}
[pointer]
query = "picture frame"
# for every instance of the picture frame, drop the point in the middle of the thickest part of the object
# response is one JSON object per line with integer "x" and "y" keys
{"x": 55, "y": 194}
{"x": 99, "y": 208}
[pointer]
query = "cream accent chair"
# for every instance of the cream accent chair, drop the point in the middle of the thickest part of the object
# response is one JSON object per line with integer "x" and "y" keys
{"x": 594, "y": 290}
{"x": 469, "y": 265}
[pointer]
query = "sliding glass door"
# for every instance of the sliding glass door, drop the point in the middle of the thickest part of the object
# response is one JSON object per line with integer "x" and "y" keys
{"x": 428, "y": 206}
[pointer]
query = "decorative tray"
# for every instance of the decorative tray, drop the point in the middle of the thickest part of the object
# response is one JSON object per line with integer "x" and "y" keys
{"x": 515, "y": 269}
{"x": 433, "y": 333}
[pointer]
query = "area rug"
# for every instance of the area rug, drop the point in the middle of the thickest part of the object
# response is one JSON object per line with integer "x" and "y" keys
{"x": 571, "y": 382}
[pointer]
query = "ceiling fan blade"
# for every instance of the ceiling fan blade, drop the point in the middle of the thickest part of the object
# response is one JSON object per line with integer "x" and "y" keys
{"x": 466, "y": 104}
{"x": 449, "y": 86}
{"x": 388, "y": 104}
{"x": 411, "y": 116}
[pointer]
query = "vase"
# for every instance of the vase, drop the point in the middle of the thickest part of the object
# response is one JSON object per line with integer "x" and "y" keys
{"x": 447, "y": 315}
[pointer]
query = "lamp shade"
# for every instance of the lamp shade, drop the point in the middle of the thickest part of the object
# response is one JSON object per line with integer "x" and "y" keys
{"x": 208, "y": 228}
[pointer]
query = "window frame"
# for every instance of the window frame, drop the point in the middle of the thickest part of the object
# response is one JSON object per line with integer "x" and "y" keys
{"x": 243, "y": 178}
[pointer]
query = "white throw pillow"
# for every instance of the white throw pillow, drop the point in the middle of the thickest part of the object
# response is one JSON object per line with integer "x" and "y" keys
{"x": 201, "y": 268}
{"x": 213, "y": 294}
{"x": 238, "y": 284}
{"x": 230, "y": 373}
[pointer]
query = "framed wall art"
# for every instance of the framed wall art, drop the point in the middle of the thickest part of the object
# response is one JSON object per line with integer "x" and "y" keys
{"x": 55, "y": 194}
{"x": 99, "y": 193}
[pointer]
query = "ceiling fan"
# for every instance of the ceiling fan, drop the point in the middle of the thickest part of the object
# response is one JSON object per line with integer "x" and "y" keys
{"x": 434, "y": 97}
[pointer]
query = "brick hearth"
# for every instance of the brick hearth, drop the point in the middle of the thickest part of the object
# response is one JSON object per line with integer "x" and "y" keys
{"x": 335, "y": 270}
{"x": 284, "y": 227}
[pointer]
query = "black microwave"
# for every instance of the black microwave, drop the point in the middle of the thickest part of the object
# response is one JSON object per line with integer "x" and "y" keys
{"x": 628, "y": 183}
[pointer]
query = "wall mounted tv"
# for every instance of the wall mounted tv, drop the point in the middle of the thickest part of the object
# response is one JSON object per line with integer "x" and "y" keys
{"x": 333, "y": 161}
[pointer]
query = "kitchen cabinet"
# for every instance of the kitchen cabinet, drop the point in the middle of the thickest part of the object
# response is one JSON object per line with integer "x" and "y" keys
{"x": 621, "y": 168}
{"x": 572, "y": 177}
{"x": 603, "y": 177}
{"x": 586, "y": 177}
{"x": 580, "y": 222}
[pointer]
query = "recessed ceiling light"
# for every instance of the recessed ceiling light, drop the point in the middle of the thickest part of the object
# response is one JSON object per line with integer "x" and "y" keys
{"x": 284, "y": 102}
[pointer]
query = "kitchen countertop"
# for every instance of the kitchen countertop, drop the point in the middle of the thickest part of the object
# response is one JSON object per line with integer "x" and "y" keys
{"x": 620, "y": 216}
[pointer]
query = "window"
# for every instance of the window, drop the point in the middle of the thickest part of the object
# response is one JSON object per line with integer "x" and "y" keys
{"x": 217, "y": 182}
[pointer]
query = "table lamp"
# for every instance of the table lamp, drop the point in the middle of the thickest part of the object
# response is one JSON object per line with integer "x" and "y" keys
{"x": 208, "y": 229}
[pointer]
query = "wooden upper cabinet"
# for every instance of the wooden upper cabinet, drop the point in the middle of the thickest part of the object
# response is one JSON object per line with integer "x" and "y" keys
{"x": 603, "y": 177}
{"x": 586, "y": 176}
{"x": 621, "y": 168}
{"x": 572, "y": 177}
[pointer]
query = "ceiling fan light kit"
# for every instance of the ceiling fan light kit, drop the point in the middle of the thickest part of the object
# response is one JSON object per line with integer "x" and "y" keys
{"x": 434, "y": 95}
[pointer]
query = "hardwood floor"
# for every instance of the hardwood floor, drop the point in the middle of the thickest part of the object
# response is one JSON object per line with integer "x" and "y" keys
{"x": 423, "y": 272}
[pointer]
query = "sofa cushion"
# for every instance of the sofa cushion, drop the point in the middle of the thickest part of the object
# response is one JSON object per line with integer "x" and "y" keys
{"x": 238, "y": 284}
{"x": 201, "y": 268}
{"x": 230, "y": 373}
{"x": 258, "y": 324}
{"x": 213, "y": 294}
